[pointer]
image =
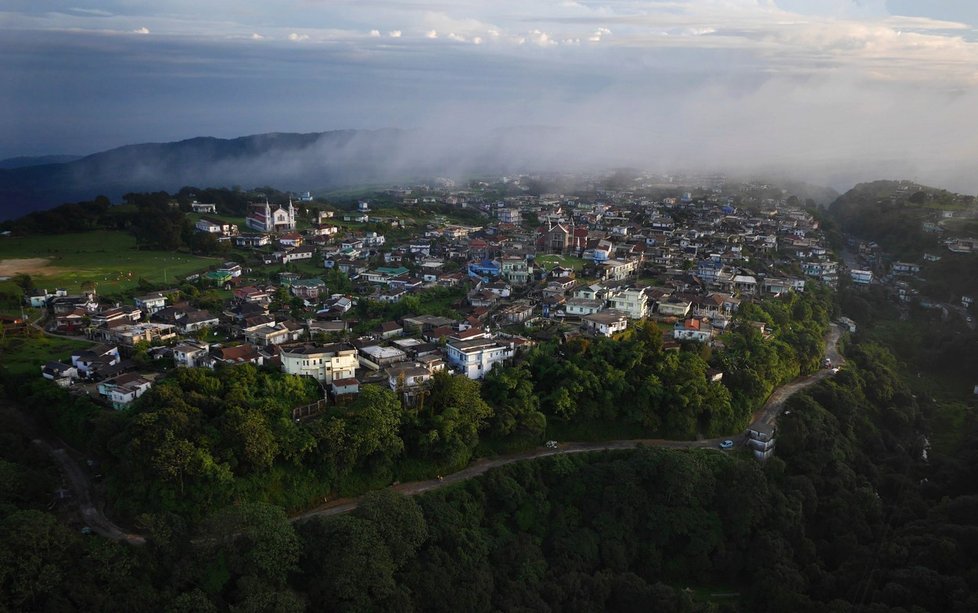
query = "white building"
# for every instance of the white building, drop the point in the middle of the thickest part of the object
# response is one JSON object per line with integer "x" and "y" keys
{"x": 201, "y": 207}
{"x": 632, "y": 301}
{"x": 515, "y": 270}
{"x": 151, "y": 303}
{"x": 216, "y": 226}
{"x": 474, "y": 358}
{"x": 410, "y": 380}
{"x": 579, "y": 307}
{"x": 191, "y": 354}
{"x": 693, "y": 329}
{"x": 324, "y": 363}
{"x": 122, "y": 390}
{"x": 605, "y": 323}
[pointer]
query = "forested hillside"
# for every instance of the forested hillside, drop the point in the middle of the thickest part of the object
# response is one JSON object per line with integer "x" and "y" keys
{"x": 848, "y": 515}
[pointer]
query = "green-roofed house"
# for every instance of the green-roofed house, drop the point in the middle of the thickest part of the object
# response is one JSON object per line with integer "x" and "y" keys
{"x": 219, "y": 277}
{"x": 383, "y": 274}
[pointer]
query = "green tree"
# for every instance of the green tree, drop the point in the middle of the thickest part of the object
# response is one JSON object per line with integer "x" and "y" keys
{"x": 36, "y": 556}
{"x": 252, "y": 539}
{"x": 346, "y": 565}
{"x": 398, "y": 520}
{"x": 510, "y": 391}
{"x": 446, "y": 428}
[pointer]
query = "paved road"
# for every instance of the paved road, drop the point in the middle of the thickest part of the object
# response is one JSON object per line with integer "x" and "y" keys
{"x": 767, "y": 414}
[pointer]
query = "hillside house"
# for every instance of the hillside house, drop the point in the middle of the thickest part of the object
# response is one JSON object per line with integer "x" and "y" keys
{"x": 693, "y": 329}
{"x": 604, "y": 323}
{"x": 324, "y": 363}
{"x": 516, "y": 270}
{"x": 192, "y": 354}
{"x": 410, "y": 381}
{"x": 474, "y": 358}
{"x": 151, "y": 303}
{"x": 632, "y": 301}
{"x": 121, "y": 391}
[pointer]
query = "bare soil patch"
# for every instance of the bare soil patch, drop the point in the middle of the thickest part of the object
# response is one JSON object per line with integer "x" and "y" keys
{"x": 28, "y": 266}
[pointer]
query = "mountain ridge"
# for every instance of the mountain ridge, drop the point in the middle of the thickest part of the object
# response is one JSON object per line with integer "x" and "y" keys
{"x": 291, "y": 160}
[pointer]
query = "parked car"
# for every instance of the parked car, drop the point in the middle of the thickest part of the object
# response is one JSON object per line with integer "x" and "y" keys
{"x": 551, "y": 444}
{"x": 727, "y": 444}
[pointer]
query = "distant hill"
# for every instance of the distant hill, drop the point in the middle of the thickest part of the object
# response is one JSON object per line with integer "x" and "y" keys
{"x": 39, "y": 160}
{"x": 288, "y": 161}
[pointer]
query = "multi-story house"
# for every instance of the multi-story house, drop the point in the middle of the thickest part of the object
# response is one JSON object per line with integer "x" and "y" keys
{"x": 192, "y": 354}
{"x": 474, "y": 358}
{"x": 410, "y": 381}
{"x": 151, "y": 303}
{"x": 324, "y": 363}
{"x": 632, "y": 301}
{"x": 515, "y": 270}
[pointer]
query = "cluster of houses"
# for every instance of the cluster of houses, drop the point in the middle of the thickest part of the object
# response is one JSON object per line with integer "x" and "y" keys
{"x": 897, "y": 278}
{"x": 583, "y": 265}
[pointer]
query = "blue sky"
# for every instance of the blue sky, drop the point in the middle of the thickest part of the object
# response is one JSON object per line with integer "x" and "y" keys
{"x": 813, "y": 84}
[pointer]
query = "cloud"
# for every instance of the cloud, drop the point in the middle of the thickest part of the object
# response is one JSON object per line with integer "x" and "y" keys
{"x": 598, "y": 34}
{"x": 142, "y": 30}
{"x": 541, "y": 38}
{"x": 90, "y": 12}
{"x": 717, "y": 82}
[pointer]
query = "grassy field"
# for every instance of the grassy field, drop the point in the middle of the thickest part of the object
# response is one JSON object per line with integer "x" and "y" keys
{"x": 25, "y": 356}
{"x": 109, "y": 259}
{"x": 559, "y": 260}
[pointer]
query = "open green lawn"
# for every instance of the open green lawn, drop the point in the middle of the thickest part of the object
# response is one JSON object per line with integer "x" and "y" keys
{"x": 25, "y": 356}
{"x": 109, "y": 259}
{"x": 560, "y": 260}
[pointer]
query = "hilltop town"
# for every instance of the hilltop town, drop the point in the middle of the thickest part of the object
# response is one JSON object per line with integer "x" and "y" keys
{"x": 389, "y": 295}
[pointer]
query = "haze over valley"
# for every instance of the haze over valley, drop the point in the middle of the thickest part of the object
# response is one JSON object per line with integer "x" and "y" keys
{"x": 830, "y": 92}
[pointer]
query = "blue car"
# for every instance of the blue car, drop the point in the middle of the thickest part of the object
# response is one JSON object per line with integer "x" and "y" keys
{"x": 727, "y": 444}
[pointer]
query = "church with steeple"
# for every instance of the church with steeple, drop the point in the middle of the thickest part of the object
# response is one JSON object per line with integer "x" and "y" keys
{"x": 265, "y": 218}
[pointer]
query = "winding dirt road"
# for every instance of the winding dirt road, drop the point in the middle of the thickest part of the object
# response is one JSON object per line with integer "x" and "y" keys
{"x": 94, "y": 517}
{"x": 767, "y": 414}
{"x": 77, "y": 479}
{"x": 81, "y": 486}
